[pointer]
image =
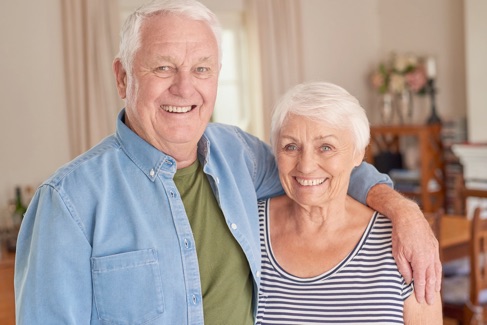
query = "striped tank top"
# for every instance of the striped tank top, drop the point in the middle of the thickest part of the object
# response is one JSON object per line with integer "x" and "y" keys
{"x": 364, "y": 288}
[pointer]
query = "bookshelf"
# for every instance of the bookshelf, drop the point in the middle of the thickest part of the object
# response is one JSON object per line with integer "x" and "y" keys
{"x": 426, "y": 183}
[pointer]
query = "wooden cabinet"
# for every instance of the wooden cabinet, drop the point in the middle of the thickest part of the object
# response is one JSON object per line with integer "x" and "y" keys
{"x": 430, "y": 189}
{"x": 7, "y": 306}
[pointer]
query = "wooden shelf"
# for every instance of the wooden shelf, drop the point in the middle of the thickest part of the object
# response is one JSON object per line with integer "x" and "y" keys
{"x": 431, "y": 192}
{"x": 7, "y": 306}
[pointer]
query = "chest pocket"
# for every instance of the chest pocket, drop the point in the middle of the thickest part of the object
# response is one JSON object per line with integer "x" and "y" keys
{"x": 127, "y": 287}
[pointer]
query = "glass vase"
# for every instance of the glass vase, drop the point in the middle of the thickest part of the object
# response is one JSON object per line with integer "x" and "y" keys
{"x": 386, "y": 108}
{"x": 404, "y": 107}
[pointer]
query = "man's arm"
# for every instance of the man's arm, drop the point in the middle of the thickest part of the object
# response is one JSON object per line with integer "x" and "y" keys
{"x": 52, "y": 270}
{"x": 363, "y": 178}
{"x": 414, "y": 246}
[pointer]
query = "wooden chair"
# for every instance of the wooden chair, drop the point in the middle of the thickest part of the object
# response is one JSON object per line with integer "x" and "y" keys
{"x": 462, "y": 193}
{"x": 434, "y": 220}
{"x": 471, "y": 306}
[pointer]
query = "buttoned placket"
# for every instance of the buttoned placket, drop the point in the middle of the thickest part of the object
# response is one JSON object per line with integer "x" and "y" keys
{"x": 188, "y": 249}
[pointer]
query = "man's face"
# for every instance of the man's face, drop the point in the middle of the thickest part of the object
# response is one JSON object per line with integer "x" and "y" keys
{"x": 171, "y": 92}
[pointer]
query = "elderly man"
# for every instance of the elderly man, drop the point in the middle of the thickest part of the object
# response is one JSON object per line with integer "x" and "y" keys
{"x": 158, "y": 223}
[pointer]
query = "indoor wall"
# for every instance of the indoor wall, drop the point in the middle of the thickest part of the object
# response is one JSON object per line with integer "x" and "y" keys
{"x": 342, "y": 42}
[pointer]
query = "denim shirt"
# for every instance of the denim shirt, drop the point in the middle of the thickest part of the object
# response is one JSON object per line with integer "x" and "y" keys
{"x": 106, "y": 239}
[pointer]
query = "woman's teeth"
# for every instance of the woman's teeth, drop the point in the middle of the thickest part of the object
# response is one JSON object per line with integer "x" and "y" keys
{"x": 310, "y": 182}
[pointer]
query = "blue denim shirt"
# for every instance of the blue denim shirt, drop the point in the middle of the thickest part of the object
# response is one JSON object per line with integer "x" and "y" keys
{"x": 106, "y": 239}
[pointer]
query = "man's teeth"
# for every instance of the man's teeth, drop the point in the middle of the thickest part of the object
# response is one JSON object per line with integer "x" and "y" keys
{"x": 310, "y": 182}
{"x": 176, "y": 109}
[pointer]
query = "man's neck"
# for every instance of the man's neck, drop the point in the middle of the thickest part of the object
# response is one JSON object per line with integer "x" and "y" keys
{"x": 185, "y": 155}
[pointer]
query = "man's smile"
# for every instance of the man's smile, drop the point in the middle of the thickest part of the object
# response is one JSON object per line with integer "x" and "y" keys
{"x": 177, "y": 109}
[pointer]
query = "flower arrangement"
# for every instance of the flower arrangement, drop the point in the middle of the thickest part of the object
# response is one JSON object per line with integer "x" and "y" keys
{"x": 400, "y": 72}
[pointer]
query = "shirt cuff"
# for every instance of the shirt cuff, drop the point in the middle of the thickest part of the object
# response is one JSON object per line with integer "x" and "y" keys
{"x": 363, "y": 178}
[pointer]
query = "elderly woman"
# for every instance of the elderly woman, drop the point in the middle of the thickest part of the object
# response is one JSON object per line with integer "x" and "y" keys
{"x": 327, "y": 258}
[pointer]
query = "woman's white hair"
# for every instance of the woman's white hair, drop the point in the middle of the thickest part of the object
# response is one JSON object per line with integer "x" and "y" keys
{"x": 130, "y": 32}
{"x": 326, "y": 102}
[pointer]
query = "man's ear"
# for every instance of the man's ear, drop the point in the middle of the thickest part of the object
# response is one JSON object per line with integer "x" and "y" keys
{"x": 120, "y": 78}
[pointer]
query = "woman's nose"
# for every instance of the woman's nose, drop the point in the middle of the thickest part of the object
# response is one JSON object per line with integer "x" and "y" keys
{"x": 306, "y": 161}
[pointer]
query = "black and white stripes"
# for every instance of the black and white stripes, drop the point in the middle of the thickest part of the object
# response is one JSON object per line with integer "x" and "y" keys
{"x": 365, "y": 288}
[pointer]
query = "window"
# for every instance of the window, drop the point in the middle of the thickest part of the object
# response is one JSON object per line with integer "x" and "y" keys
{"x": 233, "y": 100}
{"x": 237, "y": 101}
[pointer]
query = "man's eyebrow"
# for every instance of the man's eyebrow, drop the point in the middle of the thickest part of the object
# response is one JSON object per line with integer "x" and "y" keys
{"x": 165, "y": 58}
{"x": 171, "y": 59}
{"x": 206, "y": 59}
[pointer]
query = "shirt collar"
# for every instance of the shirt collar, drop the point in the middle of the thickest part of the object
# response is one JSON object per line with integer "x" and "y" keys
{"x": 150, "y": 160}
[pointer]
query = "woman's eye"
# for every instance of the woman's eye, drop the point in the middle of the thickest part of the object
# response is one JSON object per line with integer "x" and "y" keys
{"x": 325, "y": 148}
{"x": 290, "y": 147}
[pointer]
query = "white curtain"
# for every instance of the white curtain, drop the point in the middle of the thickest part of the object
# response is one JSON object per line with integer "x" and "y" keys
{"x": 275, "y": 29}
{"x": 90, "y": 35}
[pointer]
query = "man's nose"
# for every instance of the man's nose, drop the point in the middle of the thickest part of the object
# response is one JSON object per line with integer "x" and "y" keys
{"x": 182, "y": 84}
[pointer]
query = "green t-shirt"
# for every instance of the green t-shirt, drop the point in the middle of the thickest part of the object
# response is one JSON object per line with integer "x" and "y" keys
{"x": 226, "y": 281}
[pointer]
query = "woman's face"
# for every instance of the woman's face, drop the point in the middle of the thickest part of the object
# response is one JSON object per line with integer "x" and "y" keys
{"x": 315, "y": 160}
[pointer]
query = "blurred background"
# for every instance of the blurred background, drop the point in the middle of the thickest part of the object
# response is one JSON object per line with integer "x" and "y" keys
{"x": 59, "y": 95}
{"x": 337, "y": 41}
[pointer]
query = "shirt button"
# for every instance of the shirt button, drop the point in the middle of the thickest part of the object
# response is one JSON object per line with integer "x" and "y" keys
{"x": 234, "y": 226}
{"x": 258, "y": 274}
{"x": 152, "y": 173}
{"x": 217, "y": 180}
{"x": 169, "y": 163}
{"x": 194, "y": 299}
{"x": 186, "y": 243}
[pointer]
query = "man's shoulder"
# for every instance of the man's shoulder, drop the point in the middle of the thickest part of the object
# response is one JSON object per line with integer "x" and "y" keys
{"x": 230, "y": 134}
{"x": 85, "y": 161}
{"x": 219, "y": 128}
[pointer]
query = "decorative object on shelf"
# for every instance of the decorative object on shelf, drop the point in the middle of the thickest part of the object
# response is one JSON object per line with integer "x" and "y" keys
{"x": 386, "y": 108}
{"x": 18, "y": 207}
{"x": 401, "y": 76}
{"x": 431, "y": 89}
{"x": 404, "y": 106}
{"x": 429, "y": 189}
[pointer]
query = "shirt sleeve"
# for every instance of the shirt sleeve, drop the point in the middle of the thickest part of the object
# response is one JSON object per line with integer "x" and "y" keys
{"x": 262, "y": 162}
{"x": 363, "y": 178}
{"x": 52, "y": 271}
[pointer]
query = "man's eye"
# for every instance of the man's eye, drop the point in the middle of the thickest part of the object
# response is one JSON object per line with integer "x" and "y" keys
{"x": 202, "y": 69}
{"x": 164, "y": 71}
{"x": 202, "y": 72}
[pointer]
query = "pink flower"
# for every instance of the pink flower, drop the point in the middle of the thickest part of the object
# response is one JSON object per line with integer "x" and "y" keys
{"x": 416, "y": 79}
{"x": 377, "y": 80}
{"x": 398, "y": 73}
